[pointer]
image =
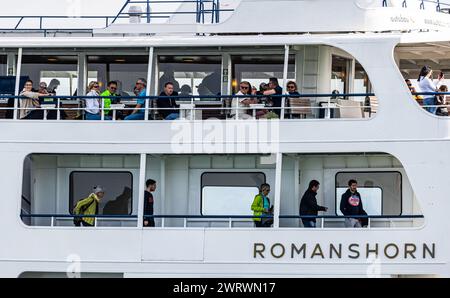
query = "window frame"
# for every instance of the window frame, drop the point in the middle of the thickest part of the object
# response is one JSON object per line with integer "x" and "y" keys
{"x": 382, "y": 190}
{"x": 204, "y": 173}
{"x": 71, "y": 199}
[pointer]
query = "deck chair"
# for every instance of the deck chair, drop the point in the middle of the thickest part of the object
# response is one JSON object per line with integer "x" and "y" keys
{"x": 300, "y": 107}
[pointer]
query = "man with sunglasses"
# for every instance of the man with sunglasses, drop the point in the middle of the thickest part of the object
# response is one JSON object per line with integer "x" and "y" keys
{"x": 139, "y": 112}
{"x": 110, "y": 91}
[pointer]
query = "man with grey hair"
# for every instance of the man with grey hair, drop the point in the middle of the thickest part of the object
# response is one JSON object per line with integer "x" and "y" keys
{"x": 88, "y": 206}
{"x": 139, "y": 112}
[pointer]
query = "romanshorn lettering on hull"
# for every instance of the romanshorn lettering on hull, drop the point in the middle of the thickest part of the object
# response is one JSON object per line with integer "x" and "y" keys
{"x": 316, "y": 251}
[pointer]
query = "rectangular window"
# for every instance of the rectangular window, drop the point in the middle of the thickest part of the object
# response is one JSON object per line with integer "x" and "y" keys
{"x": 59, "y": 72}
{"x": 257, "y": 69}
{"x": 340, "y": 69}
{"x": 118, "y": 195}
{"x": 381, "y": 192}
{"x": 191, "y": 75}
{"x": 229, "y": 193}
{"x": 125, "y": 70}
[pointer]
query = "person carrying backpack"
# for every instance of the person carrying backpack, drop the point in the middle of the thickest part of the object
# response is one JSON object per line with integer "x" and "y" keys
{"x": 88, "y": 206}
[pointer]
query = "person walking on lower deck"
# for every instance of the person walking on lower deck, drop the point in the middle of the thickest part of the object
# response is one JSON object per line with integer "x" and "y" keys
{"x": 309, "y": 206}
{"x": 148, "y": 203}
{"x": 261, "y": 208}
{"x": 351, "y": 204}
{"x": 88, "y": 206}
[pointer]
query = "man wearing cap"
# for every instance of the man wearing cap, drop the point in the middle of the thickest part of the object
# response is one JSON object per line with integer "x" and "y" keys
{"x": 89, "y": 206}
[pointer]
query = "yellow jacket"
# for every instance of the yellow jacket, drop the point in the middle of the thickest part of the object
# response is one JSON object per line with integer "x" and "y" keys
{"x": 87, "y": 206}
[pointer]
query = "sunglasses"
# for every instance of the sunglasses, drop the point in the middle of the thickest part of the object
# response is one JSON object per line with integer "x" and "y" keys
{"x": 96, "y": 86}
{"x": 113, "y": 88}
{"x": 291, "y": 87}
{"x": 243, "y": 87}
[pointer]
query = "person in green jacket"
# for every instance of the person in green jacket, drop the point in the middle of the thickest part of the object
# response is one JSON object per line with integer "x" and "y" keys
{"x": 89, "y": 206}
{"x": 111, "y": 90}
{"x": 261, "y": 207}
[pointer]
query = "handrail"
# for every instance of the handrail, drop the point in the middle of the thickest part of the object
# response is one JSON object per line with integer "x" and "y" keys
{"x": 438, "y": 4}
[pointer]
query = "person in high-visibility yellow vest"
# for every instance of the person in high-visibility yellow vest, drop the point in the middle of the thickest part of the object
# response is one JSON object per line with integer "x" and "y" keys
{"x": 111, "y": 90}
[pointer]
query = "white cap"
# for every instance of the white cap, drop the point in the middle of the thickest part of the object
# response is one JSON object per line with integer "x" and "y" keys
{"x": 98, "y": 189}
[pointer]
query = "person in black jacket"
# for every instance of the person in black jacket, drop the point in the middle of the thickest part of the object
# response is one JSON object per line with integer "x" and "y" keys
{"x": 148, "y": 203}
{"x": 309, "y": 206}
{"x": 168, "y": 105}
{"x": 351, "y": 204}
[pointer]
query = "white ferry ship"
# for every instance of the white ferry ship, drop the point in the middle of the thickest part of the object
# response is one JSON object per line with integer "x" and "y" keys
{"x": 354, "y": 118}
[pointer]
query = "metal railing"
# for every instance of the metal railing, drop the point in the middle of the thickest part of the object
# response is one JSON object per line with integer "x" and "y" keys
{"x": 441, "y": 6}
{"x": 222, "y": 104}
{"x": 223, "y": 218}
{"x": 203, "y": 8}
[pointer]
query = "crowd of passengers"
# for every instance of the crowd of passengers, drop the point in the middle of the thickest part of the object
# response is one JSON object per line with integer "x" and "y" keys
{"x": 435, "y": 104}
{"x": 269, "y": 94}
{"x": 351, "y": 206}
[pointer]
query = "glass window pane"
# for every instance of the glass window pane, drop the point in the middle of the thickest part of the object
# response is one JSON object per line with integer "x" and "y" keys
{"x": 126, "y": 70}
{"x": 257, "y": 69}
{"x": 371, "y": 185}
{"x": 191, "y": 75}
{"x": 118, "y": 194}
{"x": 59, "y": 72}
{"x": 3, "y": 67}
{"x": 229, "y": 193}
{"x": 339, "y": 74}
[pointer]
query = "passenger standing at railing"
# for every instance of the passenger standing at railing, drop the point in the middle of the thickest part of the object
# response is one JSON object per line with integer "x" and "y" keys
{"x": 442, "y": 101}
{"x": 351, "y": 204}
{"x": 89, "y": 206}
{"x": 30, "y": 106}
{"x": 165, "y": 104}
{"x": 139, "y": 111}
{"x": 149, "y": 202}
{"x": 93, "y": 104}
{"x": 261, "y": 207}
{"x": 426, "y": 84}
{"x": 309, "y": 206}
{"x": 239, "y": 104}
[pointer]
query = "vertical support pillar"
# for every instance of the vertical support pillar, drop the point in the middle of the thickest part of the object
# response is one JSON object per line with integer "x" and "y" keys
{"x": 285, "y": 78}
{"x": 277, "y": 200}
{"x": 82, "y": 74}
{"x": 149, "y": 80}
{"x": 17, "y": 87}
{"x": 142, "y": 171}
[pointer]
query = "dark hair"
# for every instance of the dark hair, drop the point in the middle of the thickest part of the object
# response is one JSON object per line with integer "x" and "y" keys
{"x": 424, "y": 72}
{"x": 351, "y": 182}
{"x": 264, "y": 185}
{"x": 443, "y": 88}
{"x": 112, "y": 83}
{"x": 274, "y": 80}
{"x": 313, "y": 183}
{"x": 28, "y": 81}
{"x": 150, "y": 182}
{"x": 167, "y": 84}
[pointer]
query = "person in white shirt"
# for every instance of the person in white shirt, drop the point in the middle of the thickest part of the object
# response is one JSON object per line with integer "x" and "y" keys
{"x": 426, "y": 84}
{"x": 93, "y": 104}
{"x": 238, "y": 104}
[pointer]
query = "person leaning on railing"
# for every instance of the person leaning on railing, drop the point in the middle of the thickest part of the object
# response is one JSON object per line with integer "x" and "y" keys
{"x": 309, "y": 206}
{"x": 30, "y": 106}
{"x": 106, "y": 95}
{"x": 239, "y": 104}
{"x": 168, "y": 106}
{"x": 93, "y": 104}
{"x": 442, "y": 101}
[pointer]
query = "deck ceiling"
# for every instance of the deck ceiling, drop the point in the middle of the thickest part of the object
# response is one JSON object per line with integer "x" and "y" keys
{"x": 414, "y": 56}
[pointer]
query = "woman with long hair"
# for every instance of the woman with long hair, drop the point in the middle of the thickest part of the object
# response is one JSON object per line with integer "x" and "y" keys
{"x": 426, "y": 84}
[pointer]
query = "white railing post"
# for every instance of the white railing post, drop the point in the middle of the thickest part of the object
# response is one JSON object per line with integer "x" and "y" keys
{"x": 142, "y": 170}
{"x": 146, "y": 111}
{"x": 17, "y": 87}
{"x": 185, "y": 222}
{"x": 369, "y": 222}
{"x": 191, "y": 116}
{"x": 230, "y": 223}
{"x": 58, "y": 112}
{"x": 285, "y": 78}
{"x": 102, "y": 109}
{"x": 322, "y": 223}
{"x": 52, "y": 223}
{"x": 163, "y": 221}
{"x": 277, "y": 203}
